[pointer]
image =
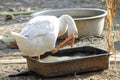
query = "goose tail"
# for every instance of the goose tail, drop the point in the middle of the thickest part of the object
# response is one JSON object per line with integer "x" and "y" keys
{"x": 18, "y": 37}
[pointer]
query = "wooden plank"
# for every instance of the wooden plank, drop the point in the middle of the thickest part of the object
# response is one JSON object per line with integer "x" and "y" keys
{"x": 13, "y": 61}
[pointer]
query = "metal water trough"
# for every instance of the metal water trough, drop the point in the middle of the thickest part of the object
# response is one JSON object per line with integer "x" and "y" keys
{"x": 88, "y": 59}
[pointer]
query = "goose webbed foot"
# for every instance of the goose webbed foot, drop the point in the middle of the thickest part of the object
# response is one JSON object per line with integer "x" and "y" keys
{"x": 36, "y": 57}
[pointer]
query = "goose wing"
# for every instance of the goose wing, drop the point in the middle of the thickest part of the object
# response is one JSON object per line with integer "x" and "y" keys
{"x": 39, "y": 26}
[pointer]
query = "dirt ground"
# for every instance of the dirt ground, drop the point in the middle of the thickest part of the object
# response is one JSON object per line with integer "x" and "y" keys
{"x": 7, "y": 53}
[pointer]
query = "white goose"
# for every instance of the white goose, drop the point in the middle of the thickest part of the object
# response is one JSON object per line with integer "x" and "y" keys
{"x": 41, "y": 32}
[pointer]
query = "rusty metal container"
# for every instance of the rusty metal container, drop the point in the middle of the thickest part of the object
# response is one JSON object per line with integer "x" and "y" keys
{"x": 87, "y": 59}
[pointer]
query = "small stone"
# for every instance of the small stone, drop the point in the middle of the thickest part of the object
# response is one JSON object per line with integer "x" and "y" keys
{"x": 11, "y": 9}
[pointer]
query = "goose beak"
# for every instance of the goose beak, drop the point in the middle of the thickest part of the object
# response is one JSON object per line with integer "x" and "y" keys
{"x": 75, "y": 35}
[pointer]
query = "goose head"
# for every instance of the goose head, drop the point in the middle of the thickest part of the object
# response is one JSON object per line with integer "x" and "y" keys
{"x": 68, "y": 24}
